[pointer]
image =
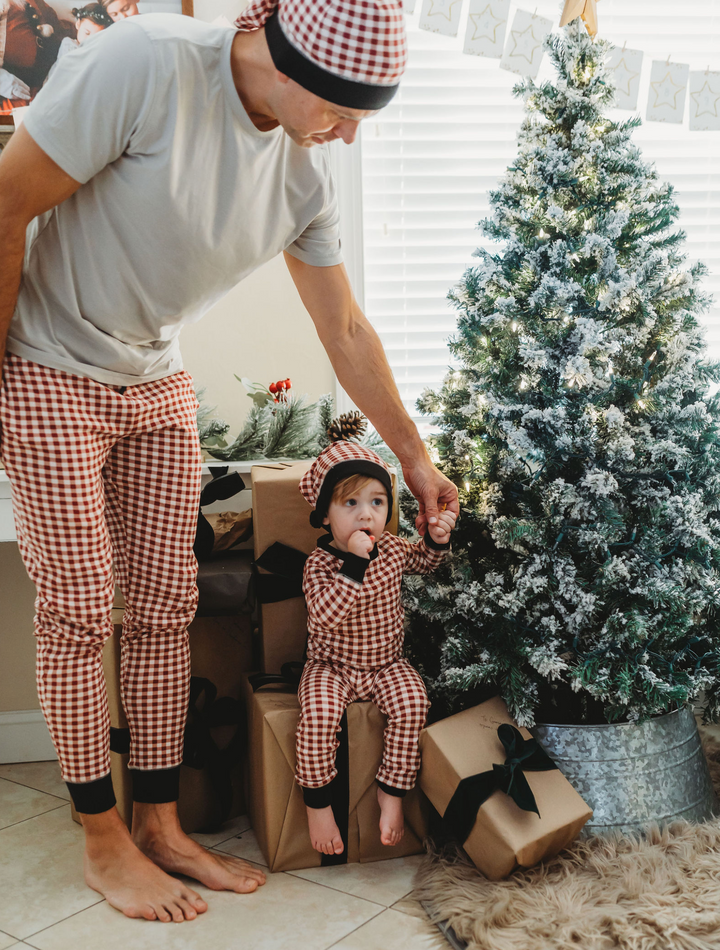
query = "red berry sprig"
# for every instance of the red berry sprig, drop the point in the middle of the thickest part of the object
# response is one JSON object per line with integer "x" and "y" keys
{"x": 280, "y": 389}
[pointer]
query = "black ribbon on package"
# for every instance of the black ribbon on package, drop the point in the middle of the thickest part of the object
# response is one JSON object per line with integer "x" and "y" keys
{"x": 222, "y": 487}
{"x": 285, "y": 577}
{"x": 523, "y": 755}
{"x": 202, "y": 751}
{"x": 339, "y": 788}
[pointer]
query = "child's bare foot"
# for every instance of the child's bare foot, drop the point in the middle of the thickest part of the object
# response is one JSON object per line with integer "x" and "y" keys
{"x": 324, "y": 832}
{"x": 128, "y": 880}
{"x": 392, "y": 821}
{"x": 157, "y": 833}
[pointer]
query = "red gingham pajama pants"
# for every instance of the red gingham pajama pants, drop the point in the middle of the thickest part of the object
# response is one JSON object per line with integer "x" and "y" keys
{"x": 326, "y": 690}
{"x": 105, "y": 479}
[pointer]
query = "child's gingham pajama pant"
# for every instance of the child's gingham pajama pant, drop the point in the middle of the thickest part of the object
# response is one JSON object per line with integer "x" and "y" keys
{"x": 355, "y": 637}
{"x": 105, "y": 478}
{"x": 324, "y": 693}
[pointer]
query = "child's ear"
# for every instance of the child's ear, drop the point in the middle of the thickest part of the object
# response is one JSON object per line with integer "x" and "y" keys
{"x": 326, "y": 520}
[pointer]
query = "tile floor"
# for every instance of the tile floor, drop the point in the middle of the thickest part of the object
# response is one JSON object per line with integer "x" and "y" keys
{"x": 47, "y": 905}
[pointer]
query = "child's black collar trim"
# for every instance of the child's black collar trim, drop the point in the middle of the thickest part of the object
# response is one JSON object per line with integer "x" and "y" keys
{"x": 324, "y": 543}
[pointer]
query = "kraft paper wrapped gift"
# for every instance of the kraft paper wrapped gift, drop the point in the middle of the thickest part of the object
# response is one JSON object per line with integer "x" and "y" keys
{"x": 221, "y": 650}
{"x": 281, "y": 514}
{"x": 275, "y": 803}
{"x": 503, "y": 835}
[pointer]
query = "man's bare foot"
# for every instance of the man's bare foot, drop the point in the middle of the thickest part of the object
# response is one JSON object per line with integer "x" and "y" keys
{"x": 392, "y": 821}
{"x": 127, "y": 879}
{"x": 157, "y": 833}
{"x": 324, "y": 832}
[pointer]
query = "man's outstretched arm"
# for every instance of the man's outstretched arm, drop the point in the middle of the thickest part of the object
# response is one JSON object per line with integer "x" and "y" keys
{"x": 358, "y": 358}
{"x": 30, "y": 184}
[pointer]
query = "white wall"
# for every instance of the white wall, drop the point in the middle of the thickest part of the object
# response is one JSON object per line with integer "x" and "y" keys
{"x": 260, "y": 330}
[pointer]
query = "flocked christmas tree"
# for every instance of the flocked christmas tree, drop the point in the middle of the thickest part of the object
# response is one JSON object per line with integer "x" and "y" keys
{"x": 580, "y": 432}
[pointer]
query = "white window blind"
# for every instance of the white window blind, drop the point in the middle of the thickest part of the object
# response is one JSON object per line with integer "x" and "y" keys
{"x": 431, "y": 156}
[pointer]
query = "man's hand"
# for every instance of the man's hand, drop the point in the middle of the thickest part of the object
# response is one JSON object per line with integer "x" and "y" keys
{"x": 11, "y": 87}
{"x": 440, "y": 532}
{"x": 361, "y": 544}
{"x": 432, "y": 491}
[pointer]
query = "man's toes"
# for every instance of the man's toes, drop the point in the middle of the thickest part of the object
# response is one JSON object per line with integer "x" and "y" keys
{"x": 175, "y": 912}
{"x": 160, "y": 913}
{"x": 338, "y": 846}
{"x": 246, "y": 885}
{"x": 249, "y": 871}
{"x": 194, "y": 900}
{"x": 187, "y": 909}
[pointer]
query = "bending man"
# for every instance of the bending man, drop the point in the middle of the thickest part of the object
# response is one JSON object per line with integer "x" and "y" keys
{"x": 164, "y": 161}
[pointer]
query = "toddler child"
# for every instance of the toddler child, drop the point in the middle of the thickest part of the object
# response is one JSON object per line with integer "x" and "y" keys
{"x": 355, "y": 633}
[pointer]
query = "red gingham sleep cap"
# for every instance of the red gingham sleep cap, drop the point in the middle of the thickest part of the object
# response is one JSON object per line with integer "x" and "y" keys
{"x": 349, "y": 52}
{"x": 337, "y": 462}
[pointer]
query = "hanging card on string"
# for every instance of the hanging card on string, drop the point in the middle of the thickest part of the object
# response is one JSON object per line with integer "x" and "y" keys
{"x": 524, "y": 48}
{"x": 666, "y": 95}
{"x": 486, "y": 25}
{"x": 441, "y": 16}
{"x": 626, "y": 66}
{"x": 704, "y": 104}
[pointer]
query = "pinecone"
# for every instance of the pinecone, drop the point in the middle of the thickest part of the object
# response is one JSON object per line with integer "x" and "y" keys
{"x": 347, "y": 427}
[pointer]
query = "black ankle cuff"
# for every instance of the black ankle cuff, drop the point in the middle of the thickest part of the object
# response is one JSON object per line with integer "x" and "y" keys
{"x": 92, "y": 798}
{"x": 317, "y": 797}
{"x": 395, "y": 792}
{"x": 156, "y": 786}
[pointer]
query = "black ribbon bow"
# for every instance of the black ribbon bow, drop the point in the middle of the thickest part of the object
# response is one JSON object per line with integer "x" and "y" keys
{"x": 285, "y": 579}
{"x": 523, "y": 755}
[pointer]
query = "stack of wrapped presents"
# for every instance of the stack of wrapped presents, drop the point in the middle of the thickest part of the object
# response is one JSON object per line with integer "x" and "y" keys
{"x": 484, "y": 784}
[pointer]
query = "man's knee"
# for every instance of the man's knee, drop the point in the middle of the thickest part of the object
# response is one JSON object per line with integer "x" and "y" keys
{"x": 143, "y": 620}
{"x": 88, "y": 624}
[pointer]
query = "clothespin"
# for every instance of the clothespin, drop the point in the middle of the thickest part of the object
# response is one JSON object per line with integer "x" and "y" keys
{"x": 667, "y": 61}
{"x": 624, "y": 45}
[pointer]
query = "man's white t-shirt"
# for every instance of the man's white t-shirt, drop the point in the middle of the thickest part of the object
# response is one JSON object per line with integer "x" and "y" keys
{"x": 181, "y": 198}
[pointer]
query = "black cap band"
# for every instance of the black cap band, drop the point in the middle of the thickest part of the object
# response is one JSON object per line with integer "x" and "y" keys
{"x": 339, "y": 473}
{"x": 332, "y": 88}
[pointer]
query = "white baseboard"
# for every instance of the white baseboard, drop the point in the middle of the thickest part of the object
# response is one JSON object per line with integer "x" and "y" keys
{"x": 24, "y": 737}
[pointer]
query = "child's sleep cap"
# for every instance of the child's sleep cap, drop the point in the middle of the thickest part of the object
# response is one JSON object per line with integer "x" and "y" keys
{"x": 336, "y": 463}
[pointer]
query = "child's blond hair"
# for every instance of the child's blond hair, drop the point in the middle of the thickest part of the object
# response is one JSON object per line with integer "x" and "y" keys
{"x": 349, "y": 487}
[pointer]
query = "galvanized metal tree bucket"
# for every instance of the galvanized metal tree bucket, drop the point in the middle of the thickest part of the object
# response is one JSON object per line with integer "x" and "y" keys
{"x": 632, "y": 774}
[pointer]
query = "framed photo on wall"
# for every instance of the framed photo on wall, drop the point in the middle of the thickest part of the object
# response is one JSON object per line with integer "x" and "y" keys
{"x": 34, "y": 34}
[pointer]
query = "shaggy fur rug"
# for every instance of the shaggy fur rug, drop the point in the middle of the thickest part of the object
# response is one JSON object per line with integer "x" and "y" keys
{"x": 660, "y": 891}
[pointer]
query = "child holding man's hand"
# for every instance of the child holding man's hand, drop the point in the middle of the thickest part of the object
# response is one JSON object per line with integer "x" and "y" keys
{"x": 352, "y": 586}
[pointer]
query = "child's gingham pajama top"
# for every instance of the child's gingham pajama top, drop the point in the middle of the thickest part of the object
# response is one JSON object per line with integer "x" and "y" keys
{"x": 355, "y": 639}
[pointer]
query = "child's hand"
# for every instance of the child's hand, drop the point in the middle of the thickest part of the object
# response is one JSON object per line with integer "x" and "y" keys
{"x": 361, "y": 544}
{"x": 440, "y": 532}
